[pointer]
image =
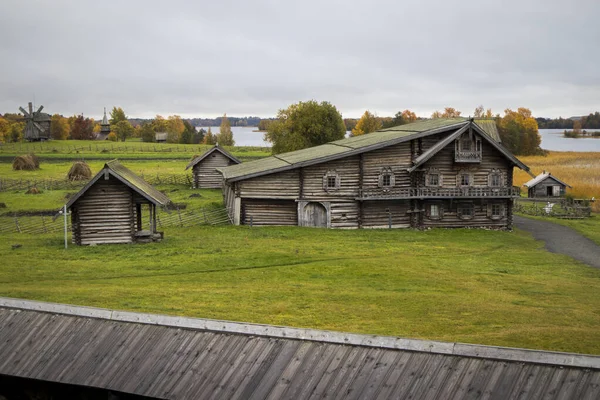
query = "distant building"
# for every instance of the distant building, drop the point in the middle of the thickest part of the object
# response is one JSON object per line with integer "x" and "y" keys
{"x": 37, "y": 124}
{"x": 205, "y": 166}
{"x": 104, "y": 128}
{"x": 109, "y": 208}
{"x": 546, "y": 185}
{"x": 160, "y": 137}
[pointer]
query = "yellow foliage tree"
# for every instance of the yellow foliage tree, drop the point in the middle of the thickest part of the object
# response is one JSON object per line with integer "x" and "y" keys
{"x": 366, "y": 124}
{"x": 519, "y": 131}
{"x": 4, "y": 126}
{"x": 174, "y": 127}
{"x": 409, "y": 116}
{"x": 59, "y": 127}
{"x": 436, "y": 114}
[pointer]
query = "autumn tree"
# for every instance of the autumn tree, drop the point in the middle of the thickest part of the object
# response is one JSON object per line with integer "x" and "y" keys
{"x": 225, "y": 135}
{"x": 4, "y": 128}
{"x": 519, "y": 132}
{"x": 123, "y": 130}
{"x": 209, "y": 138}
{"x": 117, "y": 115}
{"x": 450, "y": 112}
{"x": 147, "y": 133}
{"x": 15, "y": 132}
{"x": 159, "y": 124}
{"x": 480, "y": 112}
{"x": 59, "y": 127}
{"x": 305, "y": 124}
{"x": 366, "y": 124}
{"x": 82, "y": 128}
{"x": 174, "y": 128}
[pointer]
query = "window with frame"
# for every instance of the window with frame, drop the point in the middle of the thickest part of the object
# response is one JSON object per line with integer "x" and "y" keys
{"x": 495, "y": 180}
{"x": 466, "y": 145}
{"x": 386, "y": 178}
{"x": 433, "y": 177}
{"x": 465, "y": 179}
{"x": 496, "y": 211}
{"x": 466, "y": 210}
{"x": 435, "y": 211}
{"x": 331, "y": 181}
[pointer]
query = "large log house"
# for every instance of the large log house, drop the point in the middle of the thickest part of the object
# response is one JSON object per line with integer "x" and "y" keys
{"x": 431, "y": 173}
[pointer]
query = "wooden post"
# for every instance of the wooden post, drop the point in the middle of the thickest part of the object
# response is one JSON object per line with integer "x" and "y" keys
{"x": 153, "y": 218}
{"x": 138, "y": 212}
{"x": 179, "y": 214}
{"x": 17, "y": 224}
{"x": 44, "y": 224}
{"x": 65, "y": 213}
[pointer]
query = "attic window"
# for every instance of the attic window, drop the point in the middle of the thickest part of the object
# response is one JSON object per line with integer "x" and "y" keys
{"x": 331, "y": 181}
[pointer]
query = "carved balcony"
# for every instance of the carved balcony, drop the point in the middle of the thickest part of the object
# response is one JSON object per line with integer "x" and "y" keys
{"x": 469, "y": 192}
{"x": 467, "y": 156}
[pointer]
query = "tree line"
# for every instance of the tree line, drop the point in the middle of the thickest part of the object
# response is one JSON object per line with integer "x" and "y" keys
{"x": 591, "y": 121}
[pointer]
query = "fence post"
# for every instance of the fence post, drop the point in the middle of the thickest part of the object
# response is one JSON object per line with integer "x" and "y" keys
{"x": 17, "y": 224}
{"x": 158, "y": 219}
{"x": 44, "y": 224}
{"x": 179, "y": 214}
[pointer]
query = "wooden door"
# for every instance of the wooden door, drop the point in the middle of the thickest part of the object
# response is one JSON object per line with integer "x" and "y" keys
{"x": 315, "y": 215}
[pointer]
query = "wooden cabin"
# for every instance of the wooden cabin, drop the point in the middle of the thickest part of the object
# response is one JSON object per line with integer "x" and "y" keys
{"x": 546, "y": 185}
{"x": 110, "y": 208}
{"x": 205, "y": 166}
{"x": 431, "y": 173}
{"x": 161, "y": 137}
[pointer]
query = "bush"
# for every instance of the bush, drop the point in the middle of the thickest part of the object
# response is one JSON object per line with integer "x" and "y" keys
{"x": 79, "y": 171}
{"x": 112, "y": 137}
{"x": 28, "y": 162}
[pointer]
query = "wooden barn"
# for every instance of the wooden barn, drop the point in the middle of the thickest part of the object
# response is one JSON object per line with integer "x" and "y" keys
{"x": 110, "y": 208}
{"x": 431, "y": 173}
{"x": 545, "y": 185}
{"x": 205, "y": 166}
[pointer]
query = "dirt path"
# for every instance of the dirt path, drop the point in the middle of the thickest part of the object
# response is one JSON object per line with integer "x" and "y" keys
{"x": 561, "y": 239}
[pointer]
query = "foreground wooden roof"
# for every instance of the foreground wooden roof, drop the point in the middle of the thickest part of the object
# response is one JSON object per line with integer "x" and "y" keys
{"x": 363, "y": 143}
{"x": 185, "y": 358}
{"x": 127, "y": 177}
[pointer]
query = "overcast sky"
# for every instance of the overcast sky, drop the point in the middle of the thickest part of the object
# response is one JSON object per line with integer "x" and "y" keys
{"x": 252, "y": 57}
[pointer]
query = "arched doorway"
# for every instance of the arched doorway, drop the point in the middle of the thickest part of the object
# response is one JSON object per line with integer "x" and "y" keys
{"x": 315, "y": 215}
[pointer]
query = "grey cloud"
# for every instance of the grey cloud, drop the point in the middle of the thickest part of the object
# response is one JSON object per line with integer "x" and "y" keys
{"x": 203, "y": 58}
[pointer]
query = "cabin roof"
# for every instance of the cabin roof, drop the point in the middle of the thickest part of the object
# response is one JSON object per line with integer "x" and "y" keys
{"x": 360, "y": 144}
{"x": 127, "y": 177}
{"x": 208, "y": 152}
{"x": 199, "y": 358}
{"x": 541, "y": 177}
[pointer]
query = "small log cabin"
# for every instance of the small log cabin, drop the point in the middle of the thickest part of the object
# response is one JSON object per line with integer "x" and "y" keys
{"x": 431, "y": 173}
{"x": 546, "y": 185}
{"x": 109, "y": 209}
{"x": 205, "y": 166}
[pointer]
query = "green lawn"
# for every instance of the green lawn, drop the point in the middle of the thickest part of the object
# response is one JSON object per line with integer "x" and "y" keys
{"x": 475, "y": 286}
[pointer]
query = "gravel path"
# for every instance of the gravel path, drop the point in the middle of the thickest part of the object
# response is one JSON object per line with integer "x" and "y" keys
{"x": 561, "y": 239}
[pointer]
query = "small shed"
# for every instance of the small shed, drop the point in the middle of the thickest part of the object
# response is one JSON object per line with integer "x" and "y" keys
{"x": 546, "y": 185}
{"x": 160, "y": 137}
{"x": 205, "y": 166}
{"x": 109, "y": 209}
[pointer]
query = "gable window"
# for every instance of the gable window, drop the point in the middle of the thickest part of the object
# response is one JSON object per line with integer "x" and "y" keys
{"x": 331, "y": 181}
{"x": 386, "y": 178}
{"x": 466, "y": 210}
{"x": 433, "y": 178}
{"x": 466, "y": 145}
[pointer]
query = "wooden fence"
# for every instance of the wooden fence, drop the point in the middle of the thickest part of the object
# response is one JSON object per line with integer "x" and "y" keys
{"x": 40, "y": 224}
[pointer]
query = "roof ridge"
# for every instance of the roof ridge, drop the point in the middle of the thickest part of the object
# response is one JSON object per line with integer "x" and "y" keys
{"x": 282, "y": 332}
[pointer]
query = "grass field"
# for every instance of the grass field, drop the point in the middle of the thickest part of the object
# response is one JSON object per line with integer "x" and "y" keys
{"x": 474, "y": 286}
{"x": 580, "y": 170}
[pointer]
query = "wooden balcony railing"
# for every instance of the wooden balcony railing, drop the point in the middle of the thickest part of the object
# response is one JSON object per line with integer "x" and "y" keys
{"x": 467, "y": 156}
{"x": 440, "y": 193}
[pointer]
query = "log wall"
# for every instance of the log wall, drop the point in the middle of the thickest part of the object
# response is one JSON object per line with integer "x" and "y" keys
{"x": 264, "y": 212}
{"x": 397, "y": 157}
{"x": 104, "y": 214}
{"x": 376, "y": 214}
{"x": 451, "y": 218}
{"x": 279, "y": 185}
{"x": 206, "y": 174}
{"x": 348, "y": 170}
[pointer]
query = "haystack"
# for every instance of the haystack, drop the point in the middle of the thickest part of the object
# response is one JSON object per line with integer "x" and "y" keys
{"x": 79, "y": 171}
{"x": 33, "y": 190}
{"x": 27, "y": 162}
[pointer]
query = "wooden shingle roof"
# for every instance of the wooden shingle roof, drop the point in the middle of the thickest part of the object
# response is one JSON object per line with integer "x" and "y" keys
{"x": 360, "y": 144}
{"x": 541, "y": 177}
{"x": 171, "y": 357}
{"x": 127, "y": 177}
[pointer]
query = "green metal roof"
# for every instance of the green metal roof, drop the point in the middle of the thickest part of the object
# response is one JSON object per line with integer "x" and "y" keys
{"x": 340, "y": 148}
{"x": 130, "y": 179}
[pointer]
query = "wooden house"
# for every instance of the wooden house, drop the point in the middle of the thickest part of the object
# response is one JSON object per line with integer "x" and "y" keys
{"x": 431, "y": 173}
{"x": 545, "y": 185}
{"x": 109, "y": 209}
{"x": 161, "y": 137}
{"x": 205, "y": 166}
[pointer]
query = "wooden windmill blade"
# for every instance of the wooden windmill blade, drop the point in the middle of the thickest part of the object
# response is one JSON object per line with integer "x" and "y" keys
{"x": 39, "y": 110}
{"x": 38, "y": 127}
{"x": 25, "y": 113}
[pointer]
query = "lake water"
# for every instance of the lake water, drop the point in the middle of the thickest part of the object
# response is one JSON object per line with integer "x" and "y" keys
{"x": 552, "y": 139}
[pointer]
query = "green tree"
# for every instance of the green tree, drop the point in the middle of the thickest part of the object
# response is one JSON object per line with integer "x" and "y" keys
{"x": 187, "y": 136}
{"x": 519, "y": 132}
{"x": 401, "y": 118}
{"x": 147, "y": 133}
{"x": 209, "y": 138}
{"x": 15, "y": 132}
{"x": 159, "y": 124}
{"x": 264, "y": 124}
{"x": 198, "y": 136}
{"x": 82, "y": 128}
{"x": 117, "y": 115}
{"x": 123, "y": 129}
{"x": 4, "y": 128}
{"x": 225, "y": 136}
{"x": 366, "y": 124}
{"x": 305, "y": 124}
{"x": 59, "y": 127}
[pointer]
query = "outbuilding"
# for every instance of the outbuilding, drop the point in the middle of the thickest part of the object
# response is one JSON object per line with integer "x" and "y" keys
{"x": 109, "y": 209}
{"x": 546, "y": 185}
{"x": 205, "y": 166}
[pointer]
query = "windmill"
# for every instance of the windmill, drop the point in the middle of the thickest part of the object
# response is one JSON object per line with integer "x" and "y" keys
{"x": 37, "y": 124}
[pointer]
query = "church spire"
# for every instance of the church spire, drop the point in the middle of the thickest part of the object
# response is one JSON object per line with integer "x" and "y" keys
{"x": 104, "y": 126}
